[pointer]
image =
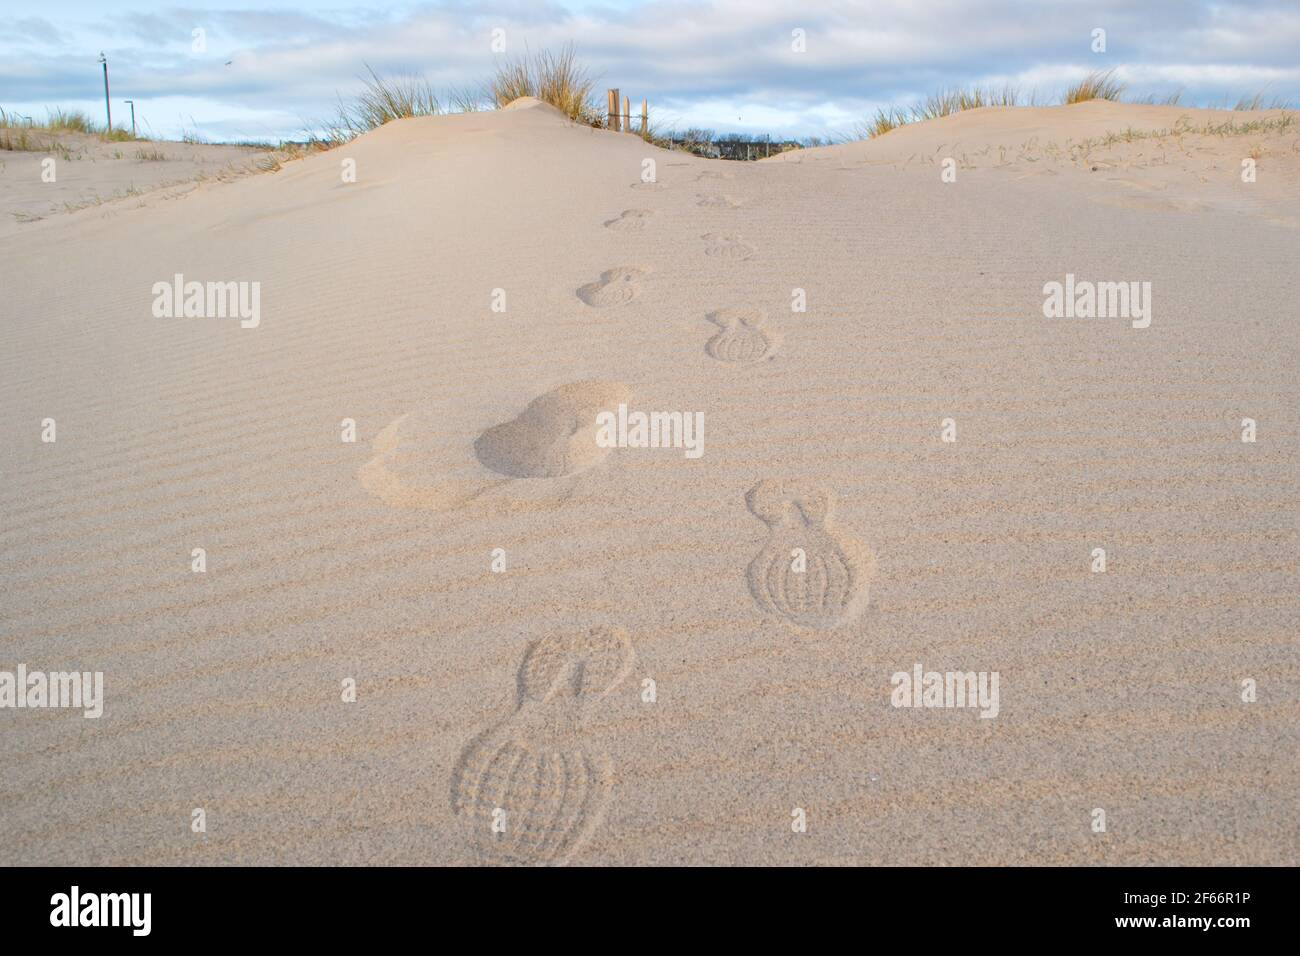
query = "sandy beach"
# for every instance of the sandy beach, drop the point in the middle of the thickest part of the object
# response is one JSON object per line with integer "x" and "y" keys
{"x": 569, "y": 649}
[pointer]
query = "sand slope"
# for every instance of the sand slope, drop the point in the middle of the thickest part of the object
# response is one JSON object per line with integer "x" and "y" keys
{"x": 526, "y": 689}
{"x": 89, "y": 172}
{"x": 1162, "y": 158}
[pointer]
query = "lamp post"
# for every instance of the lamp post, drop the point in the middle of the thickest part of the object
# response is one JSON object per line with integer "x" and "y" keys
{"x": 108, "y": 109}
{"x": 131, "y": 103}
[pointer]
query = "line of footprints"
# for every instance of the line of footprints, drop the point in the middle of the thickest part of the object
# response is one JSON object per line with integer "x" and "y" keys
{"x": 742, "y": 339}
{"x": 527, "y": 789}
{"x": 807, "y": 574}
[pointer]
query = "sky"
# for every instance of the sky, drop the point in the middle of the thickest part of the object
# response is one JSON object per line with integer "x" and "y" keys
{"x": 271, "y": 71}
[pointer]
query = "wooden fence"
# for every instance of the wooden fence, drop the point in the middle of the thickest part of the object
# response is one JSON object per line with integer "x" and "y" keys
{"x": 619, "y": 113}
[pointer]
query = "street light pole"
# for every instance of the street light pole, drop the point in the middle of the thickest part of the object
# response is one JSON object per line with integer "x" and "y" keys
{"x": 108, "y": 109}
{"x": 131, "y": 103}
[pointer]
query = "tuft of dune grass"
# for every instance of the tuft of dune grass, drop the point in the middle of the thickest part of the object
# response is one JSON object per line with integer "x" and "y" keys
{"x": 22, "y": 141}
{"x": 554, "y": 78}
{"x": 70, "y": 121}
{"x": 382, "y": 100}
{"x": 948, "y": 101}
{"x": 565, "y": 84}
{"x": 558, "y": 79}
{"x": 76, "y": 121}
{"x": 1099, "y": 85}
{"x": 880, "y": 124}
{"x": 943, "y": 103}
{"x": 512, "y": 80}
{"x": 19, "y": 132}
{"x": 1256, "y": 102}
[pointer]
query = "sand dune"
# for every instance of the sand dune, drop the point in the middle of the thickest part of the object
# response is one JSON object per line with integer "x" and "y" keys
{"x": 612, "y": 645}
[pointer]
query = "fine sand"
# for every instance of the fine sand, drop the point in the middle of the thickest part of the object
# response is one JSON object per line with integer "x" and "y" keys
{"x": 609, "y": 651}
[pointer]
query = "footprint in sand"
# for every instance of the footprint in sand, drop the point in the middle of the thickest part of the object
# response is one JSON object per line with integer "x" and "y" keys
{"x": 808, "y": 573}
{"x": 554, "y": 436}
{"x": 630, "y": 220}
{"x": 730, "y": 248}
{"x": 743, "y": 338}
{"x": 421, "y": 462}
{"x": 615, "y": 286}
{"x": 719, "y": 202}
{"x": 527, "y": 790}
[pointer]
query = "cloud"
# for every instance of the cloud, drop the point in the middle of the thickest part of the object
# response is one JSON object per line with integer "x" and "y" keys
{"x": 712, "y": 61}
{"x": 30, "y": 30}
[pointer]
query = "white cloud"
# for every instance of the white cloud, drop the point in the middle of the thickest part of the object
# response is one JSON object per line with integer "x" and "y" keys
{"x": 708, "y": 62}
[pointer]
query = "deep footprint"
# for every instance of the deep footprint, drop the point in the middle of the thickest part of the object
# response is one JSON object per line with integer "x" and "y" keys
{"x": 422, "y": 462}
{"x": 554, "y": 436}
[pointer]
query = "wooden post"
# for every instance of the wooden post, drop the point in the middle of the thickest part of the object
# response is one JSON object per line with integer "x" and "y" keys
{"x": 645, "y": 117}
{"x": 627, "y": 116}
{"x": 613, "y": 110}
